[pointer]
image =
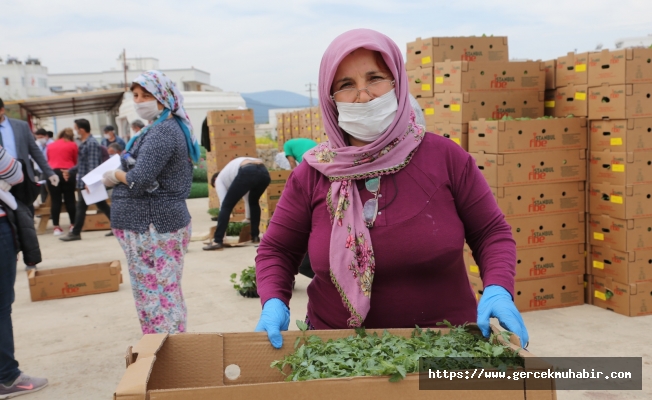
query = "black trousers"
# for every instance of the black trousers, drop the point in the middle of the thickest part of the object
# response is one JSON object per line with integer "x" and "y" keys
{"x": 252, "y": 178}
{"x": 82, "y": 207}
{"x": 65, "y": 190}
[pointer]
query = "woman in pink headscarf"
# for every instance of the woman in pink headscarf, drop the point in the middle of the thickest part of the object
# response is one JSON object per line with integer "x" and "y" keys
{"x": 383, "y": 209}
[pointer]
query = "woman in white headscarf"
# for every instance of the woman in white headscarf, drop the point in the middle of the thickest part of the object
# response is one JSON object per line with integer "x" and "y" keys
{"x": 150, "y": 218}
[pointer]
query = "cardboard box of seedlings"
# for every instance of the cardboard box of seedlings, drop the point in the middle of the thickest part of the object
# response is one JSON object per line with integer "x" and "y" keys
{"x": 237, "y": 366}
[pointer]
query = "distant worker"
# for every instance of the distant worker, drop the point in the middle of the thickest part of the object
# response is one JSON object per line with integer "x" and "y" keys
{"x": 136, "y": 126}
{"x": 243, "y": 177}
{"x": 295, "y": 149}
{"x": 90, "y": 156}
{"x": 111, "y": 137}
{"x": 62, "y": 157}
{"x": 113, "y": 149}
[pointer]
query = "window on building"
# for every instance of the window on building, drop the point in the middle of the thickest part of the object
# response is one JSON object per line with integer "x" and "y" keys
{"x": 6, "y": 81}
{"x": 42, "y": 82}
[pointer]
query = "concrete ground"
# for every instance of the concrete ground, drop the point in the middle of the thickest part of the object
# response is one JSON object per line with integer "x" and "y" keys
{"x": 79, "y": 343}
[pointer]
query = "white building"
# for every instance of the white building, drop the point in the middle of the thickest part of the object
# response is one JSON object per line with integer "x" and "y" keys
{"x": 187, "y": 79}
{"x": 20, "y": 80}
{"x": 643, "y": 41}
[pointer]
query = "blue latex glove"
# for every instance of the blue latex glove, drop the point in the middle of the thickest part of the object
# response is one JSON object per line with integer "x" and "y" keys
{"x": 274, "y": 318}
{"x": 497, "y": 302}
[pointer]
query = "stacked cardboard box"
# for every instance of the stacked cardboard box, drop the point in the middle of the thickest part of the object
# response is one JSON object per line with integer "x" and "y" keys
{"x": 232, "y": 135}
{"x": 271, "y": 197}
{"x": 305, "y": 123}
{"x": 479, "y": 82}
{"x": 537, "y": 172}
{"x": 620, "y": 173}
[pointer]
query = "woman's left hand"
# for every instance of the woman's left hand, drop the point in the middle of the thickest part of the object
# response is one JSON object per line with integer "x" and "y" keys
{"x": 109, "y": 178}
{"x": 497, "y": 302}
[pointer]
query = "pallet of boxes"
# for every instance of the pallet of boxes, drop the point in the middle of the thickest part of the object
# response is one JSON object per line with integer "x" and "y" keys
{"x": 437, "y": 70}
{"x": 537, "y": 173}
{"x": 305, "y": 123}
{"x": 232, "y": 135}
{"x": 620, "y": 178}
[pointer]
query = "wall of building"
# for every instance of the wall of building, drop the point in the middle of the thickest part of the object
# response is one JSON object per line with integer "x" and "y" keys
{"x": 20, "y": 81}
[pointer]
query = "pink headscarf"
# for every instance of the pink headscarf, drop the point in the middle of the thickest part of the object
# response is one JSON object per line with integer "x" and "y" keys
{"x": 352, "y": 262}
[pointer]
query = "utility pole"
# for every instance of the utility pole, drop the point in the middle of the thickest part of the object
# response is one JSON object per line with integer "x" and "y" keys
{"x": 310, "y": 89}
{"x": 124, "y": 67}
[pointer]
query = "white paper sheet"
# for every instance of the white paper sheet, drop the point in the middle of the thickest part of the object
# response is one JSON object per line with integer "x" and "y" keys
{"x": 96, "y": 175}
{"x": 8, "y": 199}
{"x": 96, "y": 192}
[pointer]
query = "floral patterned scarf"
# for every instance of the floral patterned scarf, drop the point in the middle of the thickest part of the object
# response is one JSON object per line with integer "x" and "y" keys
{"x": 166, "y": 92}
{"x": 352, "y": 261}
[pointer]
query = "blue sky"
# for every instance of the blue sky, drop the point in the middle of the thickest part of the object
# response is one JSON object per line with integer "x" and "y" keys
{"x": 250, "y": 46}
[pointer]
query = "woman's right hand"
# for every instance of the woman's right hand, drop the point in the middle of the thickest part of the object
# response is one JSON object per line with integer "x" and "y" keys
{"x": 274, "y": 318}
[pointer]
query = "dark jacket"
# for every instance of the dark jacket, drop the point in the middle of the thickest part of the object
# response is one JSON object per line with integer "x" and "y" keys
{"x": 25, "y": 239}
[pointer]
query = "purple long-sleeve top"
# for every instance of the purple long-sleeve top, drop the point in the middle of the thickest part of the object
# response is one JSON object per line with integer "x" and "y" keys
{"x": 436, "y": 202}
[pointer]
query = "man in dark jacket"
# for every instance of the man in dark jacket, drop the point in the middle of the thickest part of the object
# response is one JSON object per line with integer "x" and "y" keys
{"x": 12, "y": 381}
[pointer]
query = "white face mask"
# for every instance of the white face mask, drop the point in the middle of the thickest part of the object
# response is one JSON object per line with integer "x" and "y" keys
{"x": 368, "y": 121}
{"x": 107, "y": 136}
{"x": 148, "y": 110}
{"x": 42, "y": 141}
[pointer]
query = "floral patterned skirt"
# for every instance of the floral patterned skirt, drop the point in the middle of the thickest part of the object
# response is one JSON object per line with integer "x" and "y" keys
{"x": 155, "y": 268}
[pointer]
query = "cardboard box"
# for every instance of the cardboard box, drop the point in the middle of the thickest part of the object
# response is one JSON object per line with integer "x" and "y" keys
{"x": 572, "y": 69}
{"x": 569, "y": 100}
{"x": 540, "y": 263}
{"x": 225, "y": 157}
{"x": 233, "y": 131}
{"x": 588, "y": 289}
{"x": 96, "y": 222}
{"x": 553, "y": 230}
{"x": 460, "y": 108}
{"x": 420, "y": 54}
{"x": 541, "y": 200}
{"x": 545, "y": 294}
{"x": 549, "y": 103}
{"x": 619, "y": 168}
{"x": 620, "y": 101}
{"x": 428, "y": 108}
{"x": 60, "y": 283}
{"x": 620, "y": 66}
{"x": 234, "y": 144}
{"x": 551, "y": 73}
{"x": 464, "y": 76}
{"x": 622, "y": 202}
{"x": 620, "y": 234}
{"x": 279, "y": 177}
{"x": 626, "y": 267}
{"x": 421, "y": 82}
{"x": 532, "y": 168}
{"x": 527, "y": 135}
{"x": 458, "y": 133}
{"x": 237, "y": 366}
{"x": 622, "y": 135}
{"x": 632, "y": 299}
{"x": 230, "y": 117}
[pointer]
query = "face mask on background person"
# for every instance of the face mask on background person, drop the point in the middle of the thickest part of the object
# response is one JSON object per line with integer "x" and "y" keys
{"x": 148, "y": 110}
{"x": 368, "y": 121}
{"x": 42, "y": 141}
{"x": 107, "y": 136}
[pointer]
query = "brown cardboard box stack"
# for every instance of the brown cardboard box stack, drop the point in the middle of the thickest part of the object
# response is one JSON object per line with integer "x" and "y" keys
{"x": 304, "y": 123}
{"x": 457, "y": 80}
{"x": 537, "y": 172}
{"x": 271, "y": 196}
{"x": 620, "y": 175}
{"x": 232, "y": 135}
